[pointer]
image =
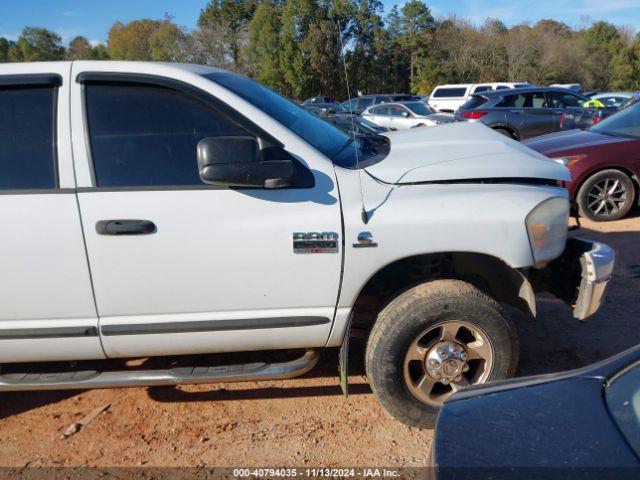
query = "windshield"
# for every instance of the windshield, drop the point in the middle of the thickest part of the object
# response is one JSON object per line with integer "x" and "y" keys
{"x": 419, "y": 108}
{"x": 323, "y": 136}
{"x": 625, "y": 123}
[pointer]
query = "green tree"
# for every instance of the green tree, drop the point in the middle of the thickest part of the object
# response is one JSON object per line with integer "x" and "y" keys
{"x": 297, "y": 17}
{"x": 264, "y": 45}
{"x": 144, "y": 39}
{"x": 37, "y": 45}
{"x": 100, "y": 52}
{"x": 79, "y": 49}
{"x": 233, "y": 16}
{"x": 416, "y": 22}
{"x": 5, "y": 47}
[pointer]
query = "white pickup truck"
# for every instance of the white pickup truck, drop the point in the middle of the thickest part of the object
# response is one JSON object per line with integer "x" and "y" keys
{"x": 157, "y": 210}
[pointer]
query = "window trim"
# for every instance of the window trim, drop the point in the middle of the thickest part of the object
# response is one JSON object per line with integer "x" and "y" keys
{"x": 39, "y": 80}
{"x": 101, "y": 78}
{"x": 31, "y": 79}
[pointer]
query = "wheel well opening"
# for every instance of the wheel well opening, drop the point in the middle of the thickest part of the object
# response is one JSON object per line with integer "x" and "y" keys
{"x": 489, "y": 274}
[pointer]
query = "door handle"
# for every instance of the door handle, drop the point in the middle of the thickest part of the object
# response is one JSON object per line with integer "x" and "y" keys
{"x": 125, "y": 227}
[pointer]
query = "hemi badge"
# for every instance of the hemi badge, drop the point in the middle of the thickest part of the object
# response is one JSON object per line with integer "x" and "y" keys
{"x": 315, "y": 242}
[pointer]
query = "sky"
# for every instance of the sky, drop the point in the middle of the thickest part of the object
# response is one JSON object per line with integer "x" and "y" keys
{"x": 92, "y": 18}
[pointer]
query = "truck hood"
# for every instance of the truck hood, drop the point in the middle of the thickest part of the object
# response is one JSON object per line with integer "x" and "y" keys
{"x": 460, "y": 151}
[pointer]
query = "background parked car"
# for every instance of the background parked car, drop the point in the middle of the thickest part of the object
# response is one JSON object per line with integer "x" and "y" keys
{"x": 351, "y": 124}
{"x": 523, "y": 113}
{"x": 403, "y": 115}
{"x": 576, "y": 87}
{"x": 448, "y": 98}
{"x": 312, "y": 100}
{"x": 580, "y": 425}
{"x": 360, "y": 104}
{"x": 615, "y": 99}
{"x": 323, "y": 107}
{"x": 604, "y": 162}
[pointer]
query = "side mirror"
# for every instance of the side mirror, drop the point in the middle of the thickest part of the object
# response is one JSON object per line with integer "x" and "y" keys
{"x": 405, "y": 114}
{"x": 237, "y": 162}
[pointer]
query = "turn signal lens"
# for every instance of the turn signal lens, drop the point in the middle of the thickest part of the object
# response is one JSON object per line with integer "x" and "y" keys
{"x": 547, "y": 226}
{"x": 573, "y": 159}
{"x": 474, "y": 115}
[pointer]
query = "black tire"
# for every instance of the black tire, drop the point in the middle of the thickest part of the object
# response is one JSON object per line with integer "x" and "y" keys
{"x": 505, "y": 132}
{"x": 403, "y": 320}
{"x": 609, "y": 207}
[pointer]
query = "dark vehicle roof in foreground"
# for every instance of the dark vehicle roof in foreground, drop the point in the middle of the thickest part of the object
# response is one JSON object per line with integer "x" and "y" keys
{"x": 544, "y": 423}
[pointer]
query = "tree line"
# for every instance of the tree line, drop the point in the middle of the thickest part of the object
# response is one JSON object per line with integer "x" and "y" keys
{"x": 305, "y": 48}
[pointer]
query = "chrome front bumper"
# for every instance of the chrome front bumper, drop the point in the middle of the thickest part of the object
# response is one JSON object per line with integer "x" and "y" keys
{"x": 597, "y": 267}
{"x": 579, "y": 276}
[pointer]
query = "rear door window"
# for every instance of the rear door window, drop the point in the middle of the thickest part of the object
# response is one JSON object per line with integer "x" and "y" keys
{"x": 27, "y": 144}
{"x": 450, "y": 92}
{"x": 523, "y": 100}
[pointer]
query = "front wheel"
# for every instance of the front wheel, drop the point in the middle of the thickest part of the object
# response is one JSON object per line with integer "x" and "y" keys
{"x": 434, "y": 340}
{"x": 606, "y": 195}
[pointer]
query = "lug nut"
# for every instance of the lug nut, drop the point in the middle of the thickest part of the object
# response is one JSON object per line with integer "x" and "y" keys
{"x": 464, "y": 356}
{"x": 458, "y": 378}
{"x": 433, "y": 362}
{"x": 465, "y": 368}
{"x": 445, "y": 381}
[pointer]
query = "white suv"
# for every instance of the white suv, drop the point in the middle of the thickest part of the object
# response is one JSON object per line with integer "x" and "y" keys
{"x": 448, "y": 98}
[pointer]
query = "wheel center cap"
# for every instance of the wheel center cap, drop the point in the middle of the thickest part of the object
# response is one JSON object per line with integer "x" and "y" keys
{"x": 446, "y": 361}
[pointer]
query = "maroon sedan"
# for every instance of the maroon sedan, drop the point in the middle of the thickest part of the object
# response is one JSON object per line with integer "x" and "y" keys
{"x": 604, "y": 162}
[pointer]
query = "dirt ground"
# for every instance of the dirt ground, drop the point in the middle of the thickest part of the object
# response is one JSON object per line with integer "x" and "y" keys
{"x": 299, "y": 422}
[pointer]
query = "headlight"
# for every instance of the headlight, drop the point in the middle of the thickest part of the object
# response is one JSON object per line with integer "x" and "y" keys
{"x": 547, "y": 226}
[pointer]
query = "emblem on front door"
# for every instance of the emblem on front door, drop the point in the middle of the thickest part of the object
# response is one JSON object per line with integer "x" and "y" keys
{"x": 315, "y": 242}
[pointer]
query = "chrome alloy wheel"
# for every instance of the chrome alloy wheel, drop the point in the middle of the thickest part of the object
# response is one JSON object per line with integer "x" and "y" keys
{"x": 607, "y": 197}
{"x": 445, "y": 358}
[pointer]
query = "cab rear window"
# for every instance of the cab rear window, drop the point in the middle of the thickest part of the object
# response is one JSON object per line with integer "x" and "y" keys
{"x": 453, "y": 92}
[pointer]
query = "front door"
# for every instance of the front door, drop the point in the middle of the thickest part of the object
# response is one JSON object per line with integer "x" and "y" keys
{"x": 182, "y": 267}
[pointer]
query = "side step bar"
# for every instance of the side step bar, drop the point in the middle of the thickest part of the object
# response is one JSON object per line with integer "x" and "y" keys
{"x": 73, "y": 380}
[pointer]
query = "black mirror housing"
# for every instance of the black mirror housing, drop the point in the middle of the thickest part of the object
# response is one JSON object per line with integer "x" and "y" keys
{"x": 237, "y": 162}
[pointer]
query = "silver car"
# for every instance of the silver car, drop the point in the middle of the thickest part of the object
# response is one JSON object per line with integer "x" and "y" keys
{"x": 403, "y": 115}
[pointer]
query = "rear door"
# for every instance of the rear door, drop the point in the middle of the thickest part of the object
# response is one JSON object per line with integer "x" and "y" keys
{"x": 529, "y": 113}
{"x": 47, "y": 310}
{"x": 205, "y": 269}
